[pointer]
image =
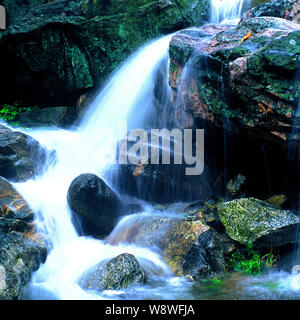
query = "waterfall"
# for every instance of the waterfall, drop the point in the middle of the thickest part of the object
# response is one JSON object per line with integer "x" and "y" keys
{"x": 128, "y": 96}
{"x": 223, "y": 11}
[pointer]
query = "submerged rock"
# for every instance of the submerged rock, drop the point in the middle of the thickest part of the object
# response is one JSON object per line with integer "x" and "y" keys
{"x": 22, "y": 250}
{"x": 21, "y": 157}
{"x": 189, "y": 247}
{"x": 252, "y": 220}
{"x": 95, "y": 203}
{"x": 120, "y": 272}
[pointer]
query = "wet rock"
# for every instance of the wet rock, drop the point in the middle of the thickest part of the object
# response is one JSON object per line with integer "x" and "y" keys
{"x": 20, "y": 255}
{"x": 252, "y": 220}
{"x": 189, "y": 247}
{"x": 21, "y": 157}
{"x": 95, "y": 203}
{"x": 55, "y": 50}
{"x": 22, "y": 249}
{"x": 286, "y": 9}
{"x": 120, "y": 272}
{"x": 15, "y": 214}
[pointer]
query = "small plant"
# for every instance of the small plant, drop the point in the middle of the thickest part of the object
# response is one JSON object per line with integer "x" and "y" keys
{"x": 270, "y": 259}
{"x": 8, "y": 113}
{"x": 252, "y": 262}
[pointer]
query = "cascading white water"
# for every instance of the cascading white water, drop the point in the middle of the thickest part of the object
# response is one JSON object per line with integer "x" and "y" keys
{"x": 130, "y": 90}
{"x": 224, "y": 11}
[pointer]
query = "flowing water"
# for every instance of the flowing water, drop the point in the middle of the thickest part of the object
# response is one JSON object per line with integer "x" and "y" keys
{"x": 224, "y": 11}
{"x": 128, "y": 96}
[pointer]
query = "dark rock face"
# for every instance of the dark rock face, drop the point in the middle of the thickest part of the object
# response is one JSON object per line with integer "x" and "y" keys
{"x": 54, "y": 49}
{"x": 48, "y": 117}
{"x": 120, "y": 272}
{"x": 189, "y": 247}
{"x": 158, "y": 183}
{"x": 252, "y": 220}
{"x": 21, "y": 157}
{"x": 22, "y": 250}
{"x": 95, "y": 203}
{"x": 164, "y": 183}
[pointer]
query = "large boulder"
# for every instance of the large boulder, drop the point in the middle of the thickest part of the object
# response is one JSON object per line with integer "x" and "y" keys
{"x": 22, "y": 249}
{"x": 249, "y": 84}
{"x": 55, "y": 49}
{"x": 95, "y": 203}
{"x": 120, "y": 272}
{"x": 252, "y": 220}
{"x": 232, "y": 81}
{"x": 189, "y": 247}
{"x": 21, "y": 156}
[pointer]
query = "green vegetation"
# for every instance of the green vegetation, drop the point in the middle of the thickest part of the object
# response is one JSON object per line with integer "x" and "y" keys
{"x": 252, "y": 262}
{"x": 9, "y": 113}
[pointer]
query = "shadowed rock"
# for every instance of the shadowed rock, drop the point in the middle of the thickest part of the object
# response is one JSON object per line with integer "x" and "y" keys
{"x": 21, "y": 157}
{"x": 95, "y": 203}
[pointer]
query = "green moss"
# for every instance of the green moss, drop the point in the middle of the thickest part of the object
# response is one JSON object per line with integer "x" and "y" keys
{"x": 249, "y": 219}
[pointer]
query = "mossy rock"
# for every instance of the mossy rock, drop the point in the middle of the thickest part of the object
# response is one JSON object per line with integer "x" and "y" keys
{"x": 252, "y": 220}
{"x": 120, "y": 272}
